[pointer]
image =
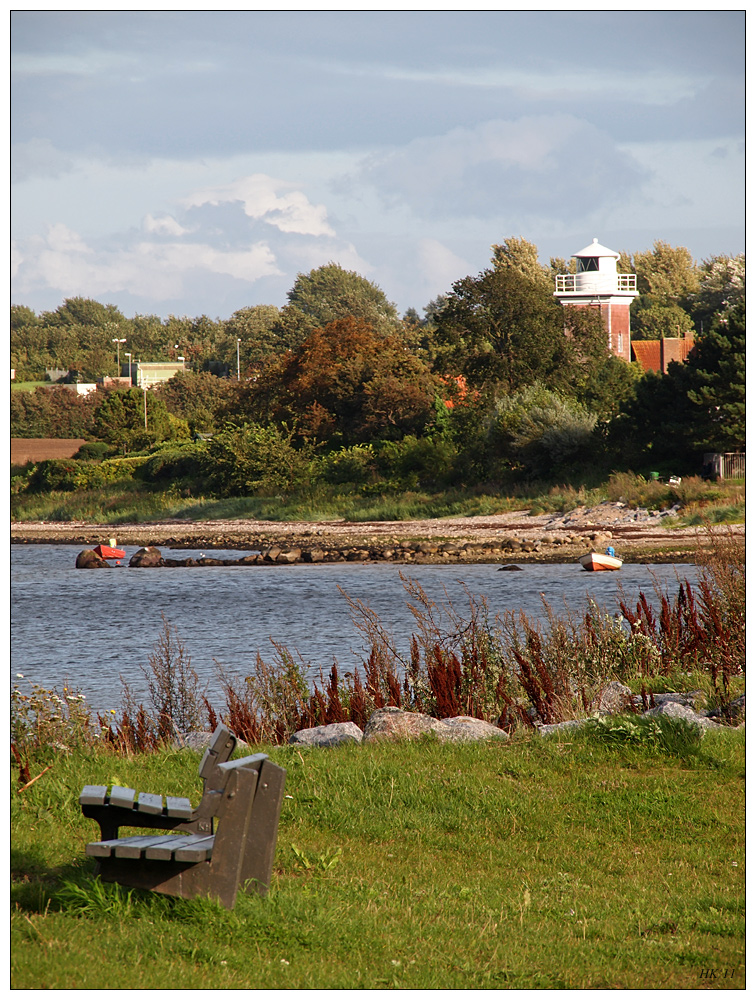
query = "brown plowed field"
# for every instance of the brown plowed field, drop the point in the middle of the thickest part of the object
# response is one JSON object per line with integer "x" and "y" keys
{"x": 25, "y": 450}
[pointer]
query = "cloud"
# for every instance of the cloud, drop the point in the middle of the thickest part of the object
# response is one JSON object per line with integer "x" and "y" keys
{"x": 159, "y": 271}
{"x": 166, "y": 224}
{"x": 521, "y": 169}
{"x": 439, "y": 266}
{"x": 38, "y": 158}
{"x": 291, "y": 212}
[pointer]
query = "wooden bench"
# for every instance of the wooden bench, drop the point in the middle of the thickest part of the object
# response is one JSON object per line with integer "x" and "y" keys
{"x": 242, "y": 797}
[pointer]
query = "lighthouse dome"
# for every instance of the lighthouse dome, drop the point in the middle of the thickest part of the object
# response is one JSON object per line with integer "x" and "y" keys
{"x": 596, "y": 250}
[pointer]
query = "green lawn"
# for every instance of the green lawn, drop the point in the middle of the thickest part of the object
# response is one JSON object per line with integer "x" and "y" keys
{"x": 538, "y": 863}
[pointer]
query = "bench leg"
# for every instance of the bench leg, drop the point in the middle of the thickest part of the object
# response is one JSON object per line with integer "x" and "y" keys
{"x": 257, "y": 866}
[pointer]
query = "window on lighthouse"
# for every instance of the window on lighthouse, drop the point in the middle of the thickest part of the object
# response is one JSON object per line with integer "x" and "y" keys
{"x": 587, "y": 264}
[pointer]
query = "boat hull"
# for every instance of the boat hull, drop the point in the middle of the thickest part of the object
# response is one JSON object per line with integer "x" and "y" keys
{"x": 108, "y": 552}
{"x": 596, "y": 562}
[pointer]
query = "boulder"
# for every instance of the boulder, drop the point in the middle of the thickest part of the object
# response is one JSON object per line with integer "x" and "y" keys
{"x": 465, "y": 729}
{"x": 615, "y": 697}
{"x": 734, "y": 712}
{"x": 510, "y": 568}
{"x": 673, "y": 710}
{"x": 313, "y": 556}
{"x": 146, "y": 557}
{"x": 270, "y": 555}
{"x": 396, "y": 724}
{"x": 289, "y": 556}
{"x": 328, "y": 736}
{"x": 88, "y": 559}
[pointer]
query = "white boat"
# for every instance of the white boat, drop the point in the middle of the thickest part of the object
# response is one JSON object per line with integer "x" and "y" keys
{"x": 595, "y": 561}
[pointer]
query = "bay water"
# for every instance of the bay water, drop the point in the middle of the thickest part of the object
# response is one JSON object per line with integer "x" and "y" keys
{"x": 90, "y": 629}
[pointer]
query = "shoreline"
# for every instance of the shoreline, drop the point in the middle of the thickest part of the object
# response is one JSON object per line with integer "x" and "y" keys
{"x": 637, "y": 536}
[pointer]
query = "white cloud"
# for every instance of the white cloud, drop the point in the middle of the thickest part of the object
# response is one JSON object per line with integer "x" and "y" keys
{"x": 290, "y": 212}
{"x": 439, "y": 266}
{"x": 38, "y": 158}
{"x": 157, "y": 271}
{"x": 520, "y": 170}
{"x": 165, "y": 224}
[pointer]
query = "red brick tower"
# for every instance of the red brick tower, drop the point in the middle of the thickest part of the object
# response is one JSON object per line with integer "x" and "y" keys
{"x": 598, "y": 285}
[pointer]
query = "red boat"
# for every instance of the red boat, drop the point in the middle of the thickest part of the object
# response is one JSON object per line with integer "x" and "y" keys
{"x": 108, "y": 552}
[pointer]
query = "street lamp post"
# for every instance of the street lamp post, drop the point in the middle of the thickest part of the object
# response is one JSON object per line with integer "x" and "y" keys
{"x": 238, "y": 371}
{"x": 118, "y": 341}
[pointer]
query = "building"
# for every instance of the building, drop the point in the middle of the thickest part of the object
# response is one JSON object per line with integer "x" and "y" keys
{"x": 598, "y": 285}
{"x": 655, "y": 355}
{"x": 146, "y": 374}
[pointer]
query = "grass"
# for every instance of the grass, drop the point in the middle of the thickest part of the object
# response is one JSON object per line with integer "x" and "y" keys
{"x": 538, "y": 863}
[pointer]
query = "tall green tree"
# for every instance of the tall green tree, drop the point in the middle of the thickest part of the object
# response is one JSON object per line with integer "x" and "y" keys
{"x": 716, "y": 379}
{"x": 133, "y": 419}
{"x": 504, "y": 327}
{"x": 330, "y": 293}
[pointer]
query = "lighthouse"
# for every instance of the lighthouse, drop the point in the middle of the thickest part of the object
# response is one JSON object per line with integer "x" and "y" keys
{"x": 598, "y": 285}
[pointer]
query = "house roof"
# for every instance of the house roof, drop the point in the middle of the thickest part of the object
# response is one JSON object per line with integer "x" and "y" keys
{"x": 648, "y": 354}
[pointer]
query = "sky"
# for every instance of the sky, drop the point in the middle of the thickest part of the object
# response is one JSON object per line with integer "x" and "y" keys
{"x": 193, "y": 163}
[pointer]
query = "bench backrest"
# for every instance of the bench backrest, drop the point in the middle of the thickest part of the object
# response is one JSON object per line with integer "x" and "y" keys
{"x": 220, "y": 748}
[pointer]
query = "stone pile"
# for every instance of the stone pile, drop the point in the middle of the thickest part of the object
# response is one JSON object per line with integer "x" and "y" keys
{"x": 396, "y": 724}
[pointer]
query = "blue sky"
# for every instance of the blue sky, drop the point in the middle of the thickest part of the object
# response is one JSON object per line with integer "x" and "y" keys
{"x": 194, "y": 162}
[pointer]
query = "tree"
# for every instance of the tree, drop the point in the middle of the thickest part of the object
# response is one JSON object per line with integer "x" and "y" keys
{"x": 253, "y": 459}
{"x": 653, "y": 320}
{"x": 202, "y": 399}
{"x": 541, "y": 430}
{"x": 696, "y": 406}
{"x": 504, "y": 327}
{"x": 721, "y": 289}
{"x": 260, "y": 332}
{"x": 346, "y": 383}
{"x": 667, "y": 273}
{"x": 330, "y": 293}
{"x": 716, "y": 385}
{"x": 120, "y": 420}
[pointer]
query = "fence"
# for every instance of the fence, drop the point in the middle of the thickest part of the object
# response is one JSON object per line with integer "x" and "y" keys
{"x": 725, "y": 465}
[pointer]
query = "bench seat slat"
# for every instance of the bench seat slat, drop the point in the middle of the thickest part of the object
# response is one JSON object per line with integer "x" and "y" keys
{"x": 162, "y": 847}
{"x": 180, "y": 808}
{"x": 122, "y": 797}
{"x": 134, "y": 847}
{"x": 201, "y": 850}
{"x": 93, "y": 795}
{"x": 148, "y": 802}
{"x": 166, "y": 848}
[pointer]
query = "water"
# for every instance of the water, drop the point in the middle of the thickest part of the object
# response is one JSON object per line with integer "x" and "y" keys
{"x": 90, "y": 629}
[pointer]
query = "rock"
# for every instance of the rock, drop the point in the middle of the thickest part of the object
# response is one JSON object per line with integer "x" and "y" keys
{"x": 673, "y": 710}
{"x": 734, "y": 712}
{"x": 88, "y": 559}
{"x": 313, "y": 556}
{"x": 270, "y": 555}
{"x": 615, "y": 697}
{"x": 145, "y": 558}
{"x": 289, "y": 556}
{"x": 395, "y": 724}
{"x": 510, "y": 567}
{"x": 465, "y": 729}
{"x": 328, "y": 736}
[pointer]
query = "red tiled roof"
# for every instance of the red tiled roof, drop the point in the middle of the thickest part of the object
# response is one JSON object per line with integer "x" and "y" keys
{"x": 648, "y": 354}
